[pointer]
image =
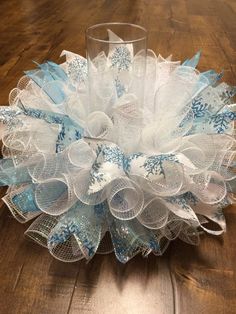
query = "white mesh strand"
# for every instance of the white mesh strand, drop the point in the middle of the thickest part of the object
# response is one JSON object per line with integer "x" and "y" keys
{"x": 99, "y": 125}
{"x": 13, "y": 96}
{"x": 125, "y": 198}
{"x": 54, "y": 196}
{"x": 40, "y": 229}
{"x": 81, "y": 155}
{"x": 127, "y": 122}
{"x": 154, "y": 214}
{"x": 169, "y": 184}
{"x": 209, "y": 187}
{"x": 68, "y": 251}
{"x": 81, "y": 183}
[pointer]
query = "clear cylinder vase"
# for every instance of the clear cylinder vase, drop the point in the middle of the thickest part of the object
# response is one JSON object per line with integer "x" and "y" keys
{"x": 116, "y": 56}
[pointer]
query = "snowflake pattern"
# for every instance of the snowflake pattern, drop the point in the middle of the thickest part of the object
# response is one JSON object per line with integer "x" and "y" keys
{"x": 199, "y": 107}
{"x": 100, "y": 209}
{"x": 221, "y": 121}
{"x": 183, "y": 200}
{"x": 95, "y": 175}
{"x": 77, "y": 69}
{"x": 63, "y": 232}
{"x": 67, "y": 135}
{"x": 60, "y": 139}
{"x": 128, "y": 159}
{"x": 113, "y": 154}
{"x": 178, "y": 200}
{"x": 98, "y": 149}
{"x": 8, "y": 116}
{"x": 182, "y": 208}
{"x": 226, "y": 93}
{"x": 69, "y": 227}
{"x": 154, "y": 164}
{"x": 224, "y": 203}
{"x": 121, "y": 58}
{"x": 47, "y": 116}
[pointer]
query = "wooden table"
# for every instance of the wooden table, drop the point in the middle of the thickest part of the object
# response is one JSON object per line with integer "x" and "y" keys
{"x": 186, "y": 280}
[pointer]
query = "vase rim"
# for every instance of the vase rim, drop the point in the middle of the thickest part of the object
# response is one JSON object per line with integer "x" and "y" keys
{"x": 100, "y": 25}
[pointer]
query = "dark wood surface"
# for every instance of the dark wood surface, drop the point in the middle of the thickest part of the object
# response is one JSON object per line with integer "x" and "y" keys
{"x": 186, "y": 280}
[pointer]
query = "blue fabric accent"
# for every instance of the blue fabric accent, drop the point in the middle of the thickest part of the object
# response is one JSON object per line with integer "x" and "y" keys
{"x": 193, "y": 62}
{"x": 50, "y": 79}
{"x": 105, "y": 153}
{"x": 111, "y": 153}
{"x": 46, "y": 81}
{"x": 128, "y": 159}
{"x": 11, "y": 175}
{"x": 212, "y": 76}
{"x": 54, "y": 70}
{"x": 70, "y": 132}
{"x": 25, "y": 201}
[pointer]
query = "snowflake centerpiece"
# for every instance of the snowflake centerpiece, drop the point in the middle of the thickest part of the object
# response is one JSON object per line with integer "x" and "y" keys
{"x": 165, "y": 168}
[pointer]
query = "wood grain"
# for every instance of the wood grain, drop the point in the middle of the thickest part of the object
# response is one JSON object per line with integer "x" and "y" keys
{"x": 186, "y": 279}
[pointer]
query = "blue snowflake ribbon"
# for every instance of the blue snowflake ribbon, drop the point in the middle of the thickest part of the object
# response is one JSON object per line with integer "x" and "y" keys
{"x": 70, "y": 130}
{"x": 111, "y": 157}
{"x": 212, "y": 114}
{"x": 154, "y": 164}
{"x": 222, "y": 121}
{"x": 82, "y": 223}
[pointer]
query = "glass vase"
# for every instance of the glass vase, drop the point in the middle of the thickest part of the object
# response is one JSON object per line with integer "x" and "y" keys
{"x": 116, "y": 56}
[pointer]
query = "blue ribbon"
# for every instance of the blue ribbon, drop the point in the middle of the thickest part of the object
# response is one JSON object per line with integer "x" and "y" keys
{"x": 11, "y": 175}
{"x": 70, "y": 130}
{"x": 82, "y": 222}
{"x": 50, "y": 79}
{"x": 25, "y": 201}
